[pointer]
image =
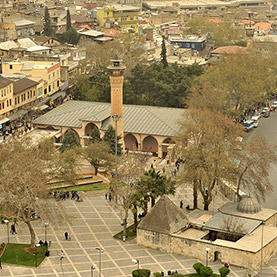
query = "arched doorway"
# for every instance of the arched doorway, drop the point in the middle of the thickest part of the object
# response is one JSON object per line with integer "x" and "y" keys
{"x": 166, "y": 142}
{"x": 75, "y": 133}
{"x": 89, "y": 128}
{"x": 150, "y": 144}
{"x": 130, "y": 142}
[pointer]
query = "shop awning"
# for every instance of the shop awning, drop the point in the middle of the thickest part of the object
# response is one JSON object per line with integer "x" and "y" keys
{"x": 43, "y": 107}
{"x": 4, "y": 120}
{"x": 17, "y": 115}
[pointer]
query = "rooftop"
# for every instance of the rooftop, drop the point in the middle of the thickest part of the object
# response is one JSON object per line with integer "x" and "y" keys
{"x": 120, "y": 7}
{"x": 160, "y": 120}
{"x": 19, "y": 43}
{"x": 231, "y": 209}
{"x": 23, "y": 84}
{"x": 23, "y": 22}
{"x": 90, "y": 33}
{"x": 4, "y": 82}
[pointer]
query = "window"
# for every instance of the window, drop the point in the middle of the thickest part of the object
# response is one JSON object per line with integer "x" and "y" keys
{"x": 11, "y": 66}
{"x": 10, "y": 102}
{"x": 131, "y": 18}
{"x": 34, "y": 93}
{"x": 3, "y": 105}
{"x": 58, "y": 83}
{"x": 15, "y": 101}
{"x": 28, "y": 94}
{"x": 49, "y": 88}
{"x": 10, "y": 88}
{"x": 4, "y": 92}
{"x": 123, "y": 19}
{"x": 49, "y": 77}
{"x": 53, "y": 74}
{"x": 192, "y": 45}
{"x": 116, "y": 19}
{"x": 7, "y": 103}
{"x": 22, "y": 98}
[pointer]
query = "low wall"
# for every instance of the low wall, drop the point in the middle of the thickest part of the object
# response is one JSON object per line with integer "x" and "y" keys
{"x": 197, "y": 249}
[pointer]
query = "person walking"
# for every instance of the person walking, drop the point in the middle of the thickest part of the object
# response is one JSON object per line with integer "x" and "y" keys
{"x": 106, "y": 196}
{"x": 69, "y": 236}
{"x": 61, "y": 254}
{"x": 66, "y": 235}
{"x": 181, "y": 204}
{"x": 110, "y": 197}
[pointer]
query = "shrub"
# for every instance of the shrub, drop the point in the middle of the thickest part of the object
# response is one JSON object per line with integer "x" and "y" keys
{"x": 224, "y": 271}
{"x": 157, "y": 274}
{"x": 197, "y": 267}
{"x": 206, "y": 271}
{"x": 141, "y": 273}
{"x": 178, "y": 275}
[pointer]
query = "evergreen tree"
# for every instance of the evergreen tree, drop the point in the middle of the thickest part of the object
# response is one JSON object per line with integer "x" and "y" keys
{"x": 163, "y": 54}
{"x": 71, "y": 36}
{"x": 70, "y": 140}
{"x": 68, "y": 20}
{"x": 47, "y": 29}
{"x": 94, "y": 135}
{"x": 109, "y": 138}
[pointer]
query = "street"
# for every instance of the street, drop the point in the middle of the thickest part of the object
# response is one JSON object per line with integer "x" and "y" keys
{"x": 268, "y": 128}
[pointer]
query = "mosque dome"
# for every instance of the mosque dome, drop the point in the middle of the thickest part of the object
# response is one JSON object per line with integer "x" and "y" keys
{"x": 249, "y": 205}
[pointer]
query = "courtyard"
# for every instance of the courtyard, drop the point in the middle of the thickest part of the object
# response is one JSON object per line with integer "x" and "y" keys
{"x": 93, "y": 222}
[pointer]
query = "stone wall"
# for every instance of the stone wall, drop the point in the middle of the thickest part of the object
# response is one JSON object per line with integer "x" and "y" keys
{"x": 197, "y": 249}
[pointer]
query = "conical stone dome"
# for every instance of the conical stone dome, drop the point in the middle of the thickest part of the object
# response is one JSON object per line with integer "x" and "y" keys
{"x": 249, "y": 205}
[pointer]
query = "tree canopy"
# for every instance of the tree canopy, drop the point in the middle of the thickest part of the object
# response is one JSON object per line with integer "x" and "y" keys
{"x": 70, "y": 141}
{"x": 68, "y": 20}
{"x": 109, "y": 138}
{"x": 23, "y": 185}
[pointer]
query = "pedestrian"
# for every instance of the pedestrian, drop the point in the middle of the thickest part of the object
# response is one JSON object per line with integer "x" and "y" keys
{"x": 69, "y": 236}
{"x": 106, "y": 196}
{"x": 13, "y": 231}
{"x": 110, "y": 197}
{"x": 181, "y": 204}
{"x": 66, "y": 235}
{"x": 163, "y": 169}
{"x": 61, "y": 254}
{"x": 0, "y": 264}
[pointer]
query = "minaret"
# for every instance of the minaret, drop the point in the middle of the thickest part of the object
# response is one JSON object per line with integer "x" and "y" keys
{"x": 116, "y": 80}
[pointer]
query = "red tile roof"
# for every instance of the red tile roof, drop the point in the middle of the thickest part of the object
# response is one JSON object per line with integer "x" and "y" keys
{"x": 112, "y": 33}
{"x": 262, "y": 26}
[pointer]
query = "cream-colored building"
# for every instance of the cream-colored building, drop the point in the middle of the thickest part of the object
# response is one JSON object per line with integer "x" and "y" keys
{"x": 238, "y": 233}
{"x": 48, "y": 71}
{"x": 6, "y": 97}
{"x": 25, "y": 93}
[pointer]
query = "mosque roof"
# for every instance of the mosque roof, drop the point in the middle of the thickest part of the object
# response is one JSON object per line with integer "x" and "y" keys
{"x": 164, "y": 217}
{"x": 249, "y": 205}
{"x": 137, "y": 119}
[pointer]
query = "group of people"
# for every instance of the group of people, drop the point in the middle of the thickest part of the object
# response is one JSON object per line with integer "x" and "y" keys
{"x": 16, "y": 128}
{"x": 108, "y": 196}
{"x": 67, "y": 236}
{"x": 169, "y": 272}
{"x": 63, "y": 195}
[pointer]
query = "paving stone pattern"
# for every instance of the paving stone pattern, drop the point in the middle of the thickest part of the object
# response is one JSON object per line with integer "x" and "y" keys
{"x": 94, "y": 222}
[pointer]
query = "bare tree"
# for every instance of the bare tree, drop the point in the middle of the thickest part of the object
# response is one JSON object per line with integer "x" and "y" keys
{"x": 130, "y": 170}
{"x": 24, "y": 173}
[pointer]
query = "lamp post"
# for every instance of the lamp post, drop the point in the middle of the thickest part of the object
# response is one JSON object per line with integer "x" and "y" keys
{"x": 136, "y": 261}
{"x": 101, "y": 250}
{"x": 116, "y": 118}
{"x": 207, "y": 255}
{"x": 262, "y": 246}
{"x": 45, "y": 226}
{"x": 7, "y": 222}
{"x": 92, "y": 269}
{"x": 36, "y": 253}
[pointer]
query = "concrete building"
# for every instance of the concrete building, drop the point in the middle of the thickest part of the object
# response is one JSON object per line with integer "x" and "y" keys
{"x": 24, "y": 28}
{"x": 16, "y": 48}
{"x": 191, "y": 42}
{"x": 24, "y": 93}
{"x": 126, "y": 17}
{"x": 48, "y": 71}
{"x": 6, "y": 97}
{"x": 238, "y": 233}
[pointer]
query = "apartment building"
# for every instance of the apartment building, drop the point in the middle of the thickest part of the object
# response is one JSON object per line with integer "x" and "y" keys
{"x": 48, "y": 71}
{"x": 6, "y": 97}
{"x": 123, "y": 16}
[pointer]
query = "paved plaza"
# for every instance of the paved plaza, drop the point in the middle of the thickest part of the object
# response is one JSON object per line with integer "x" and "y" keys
{"x": 93, "y": 223}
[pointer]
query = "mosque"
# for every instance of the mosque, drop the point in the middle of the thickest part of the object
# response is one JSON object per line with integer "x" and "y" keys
{"x": 144, "y": 129}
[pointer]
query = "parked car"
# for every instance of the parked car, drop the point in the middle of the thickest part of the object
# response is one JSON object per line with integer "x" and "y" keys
{"x": 272, "y": 108}
{"x": 248, "y": 125}
{"x": 255, "y": 121}
{"x": 274, "y": 104}
{"x": 266, "y": 114}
